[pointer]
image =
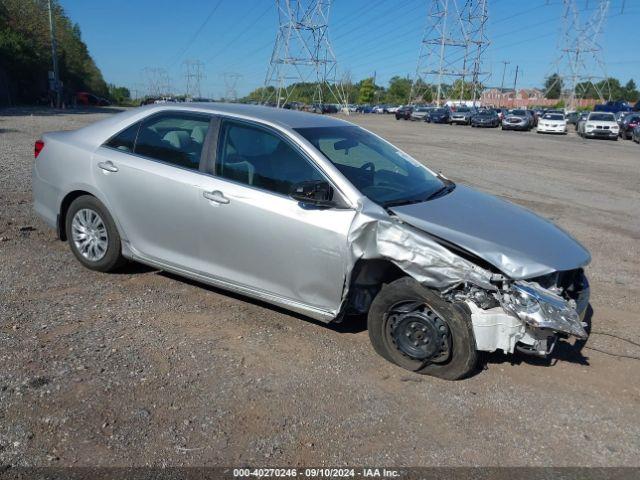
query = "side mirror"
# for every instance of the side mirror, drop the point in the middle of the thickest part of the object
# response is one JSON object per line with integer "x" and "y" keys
{"x": 314, "y": 192}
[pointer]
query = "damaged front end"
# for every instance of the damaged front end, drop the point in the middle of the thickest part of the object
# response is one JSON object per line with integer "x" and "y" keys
{"x": 524, "y": 316}
{"x": 508, "y": 312}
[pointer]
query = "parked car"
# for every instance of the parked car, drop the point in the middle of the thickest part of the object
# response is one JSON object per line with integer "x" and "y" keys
{"x": 501, "y": 113}
{"x": 319, "y": 216}
{"x": 583, "y": 118}
{"x": 324, "y": 108}
{"x": 364, "y": 109}
{"x": 485, "y": 118}
{"x": 635, "y": 135}
{"x": 628, "y": 123}
{"x": 572, "y": 118}
{"x": 518, "y": 119}
{"x": 392, "y": 109}
{"x": 599, "y": 125}
{"x": 438, "y": 115}
{"x": 419, "y": 113}
{"x": 86, "y": 98}
{"x": 552, "y": 123}
{"x": 404, "y": 112}
{"x": 462, "y": 116}
{"x": 379, "y": 109}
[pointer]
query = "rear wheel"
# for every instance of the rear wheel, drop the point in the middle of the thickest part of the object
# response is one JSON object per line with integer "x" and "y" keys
{"x": 413, "y": 327}
{"x": 92, "y": 235}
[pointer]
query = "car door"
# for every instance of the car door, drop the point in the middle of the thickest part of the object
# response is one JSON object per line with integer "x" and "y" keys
{"x": 149, "y": 173}
{"x": 256, "y": 236}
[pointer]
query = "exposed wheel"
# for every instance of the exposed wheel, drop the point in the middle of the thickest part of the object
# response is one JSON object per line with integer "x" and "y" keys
{"x": 414, "y": 328}
{"x": 92, "y": 235}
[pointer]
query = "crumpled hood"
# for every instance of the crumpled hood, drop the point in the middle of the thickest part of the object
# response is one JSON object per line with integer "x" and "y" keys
{"x": 511, "y": 238}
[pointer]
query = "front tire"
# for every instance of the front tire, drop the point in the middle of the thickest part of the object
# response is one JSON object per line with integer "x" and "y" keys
{"x": 92, "y": 235}
{"x": 413, "y": 327}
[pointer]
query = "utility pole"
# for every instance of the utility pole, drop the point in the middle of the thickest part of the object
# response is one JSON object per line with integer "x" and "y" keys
{"x": 452, "y": 45}
{"x": 504, "y": 70}
{"x": 54, "y": 57}
{"x": 515, "y": 82}
{"x": 302, "y": 53}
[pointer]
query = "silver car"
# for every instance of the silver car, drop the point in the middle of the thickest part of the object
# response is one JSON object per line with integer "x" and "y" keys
{"x": 321, "y": 217}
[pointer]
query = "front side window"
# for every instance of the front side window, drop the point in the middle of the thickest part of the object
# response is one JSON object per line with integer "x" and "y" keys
{"x": 259, "y": 158}
{"x": 173, "y": 138}
{"x": 376, "y": 168}
{"x": 125, "y": 140}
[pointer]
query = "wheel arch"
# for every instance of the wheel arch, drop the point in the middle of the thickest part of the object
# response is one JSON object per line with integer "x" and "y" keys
{"x": 367, "y": 279}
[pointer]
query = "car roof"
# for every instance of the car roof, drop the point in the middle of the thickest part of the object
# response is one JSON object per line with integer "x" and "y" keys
{"x": 283, "y": 117}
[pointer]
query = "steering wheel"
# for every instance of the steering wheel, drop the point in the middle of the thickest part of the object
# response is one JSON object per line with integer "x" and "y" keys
{"x": 368, "y": 166}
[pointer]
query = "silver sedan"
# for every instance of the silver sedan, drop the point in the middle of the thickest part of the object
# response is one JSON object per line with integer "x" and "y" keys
{"x": 319, "y": 216}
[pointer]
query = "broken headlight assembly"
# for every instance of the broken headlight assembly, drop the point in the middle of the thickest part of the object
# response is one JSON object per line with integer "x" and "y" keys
{"x": 541, "y": 308}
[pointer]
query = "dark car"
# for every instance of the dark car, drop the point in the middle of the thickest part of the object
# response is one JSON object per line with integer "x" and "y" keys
{"x": 628, "y": 124}
{"x": 324, "y": 108}
{"x": 364, "y": 109}
{"x": 572, "y": 118}
{"x": 438, "y": 115}
{"x": 635, "y": 135}
{"x": 485, "y": 118}
{"x": 404, "y": 112}
{"x": 518, "y": 119}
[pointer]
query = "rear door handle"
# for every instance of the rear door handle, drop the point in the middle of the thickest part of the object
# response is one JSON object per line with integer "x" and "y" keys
{"x": 216, "y": 196}
{"x": 108, "y": 166}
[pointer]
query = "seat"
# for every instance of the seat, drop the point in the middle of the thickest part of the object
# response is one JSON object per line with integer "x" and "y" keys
{"x": 178, "y": 139}
{"x": 198, "y": 134}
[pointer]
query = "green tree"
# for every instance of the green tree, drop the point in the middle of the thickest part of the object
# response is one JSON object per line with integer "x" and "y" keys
{"x": 119, "y": 95}
{"x": 398, "y": 91}
{"x": 463, "y": 90}
{"x": 553, "y": 86}
{"x": 367, "y": 90}
{"x": 631, "y": 91}
{"x": 25, "y": 52}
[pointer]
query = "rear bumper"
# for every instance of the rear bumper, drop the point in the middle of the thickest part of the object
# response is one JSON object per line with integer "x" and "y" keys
{"x": 45, "y": 199}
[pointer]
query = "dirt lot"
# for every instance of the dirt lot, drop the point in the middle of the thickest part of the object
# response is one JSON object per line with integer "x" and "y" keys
{"x": 143, "y": 368}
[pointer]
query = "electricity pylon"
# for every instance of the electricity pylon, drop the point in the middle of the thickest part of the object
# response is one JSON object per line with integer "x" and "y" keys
{"x": 302, "y": 53}
{"x": 230, "y": 82}
{"x": 452, "y": 48}
{"x": 193, "y": 75}
{"x": 580, "y": 66}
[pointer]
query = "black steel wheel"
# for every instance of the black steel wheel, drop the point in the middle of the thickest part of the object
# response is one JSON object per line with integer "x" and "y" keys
{"x": 415, "y": 328}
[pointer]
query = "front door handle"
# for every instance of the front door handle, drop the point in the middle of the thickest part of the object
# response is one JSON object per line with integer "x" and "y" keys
{"x": 108, "y": 166}
{"x": 216, "y": 196}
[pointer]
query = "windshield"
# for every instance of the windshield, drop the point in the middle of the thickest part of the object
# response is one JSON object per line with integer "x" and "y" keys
{"x": 463, "y": 109}
{"x": 440, "y": 110}
{"x": 602, "y": 117}
{"x": 520, "y": 113}
{"x": 553, "y": 116}
{"x": 488, "y": 113}
{"x": 380, "y": 171}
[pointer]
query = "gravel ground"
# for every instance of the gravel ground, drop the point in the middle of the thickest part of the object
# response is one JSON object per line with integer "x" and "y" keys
{"x": 144, "y": 368}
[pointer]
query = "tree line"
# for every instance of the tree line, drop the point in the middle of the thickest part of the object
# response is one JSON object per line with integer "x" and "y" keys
{"x": 402, "y": 90}
{"x": 25, "y": 55}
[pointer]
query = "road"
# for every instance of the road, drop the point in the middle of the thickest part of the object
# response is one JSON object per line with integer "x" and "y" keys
{"x": 144, "y": 368}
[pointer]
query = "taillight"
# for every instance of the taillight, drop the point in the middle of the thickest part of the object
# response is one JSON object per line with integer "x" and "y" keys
{"x": 38, "y": 148}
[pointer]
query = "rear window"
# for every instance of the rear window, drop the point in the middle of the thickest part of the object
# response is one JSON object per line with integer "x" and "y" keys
{"x": 553, "y": 116}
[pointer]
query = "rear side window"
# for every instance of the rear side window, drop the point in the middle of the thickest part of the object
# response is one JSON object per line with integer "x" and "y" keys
{"x": 125, "y": 140}
{"x": 173, "y": 138}
{"x": 256, "y": 157}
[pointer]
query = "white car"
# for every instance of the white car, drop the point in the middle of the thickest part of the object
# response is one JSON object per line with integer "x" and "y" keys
{"x": 552, "y": 123}
{"x": 599, "y": 125}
